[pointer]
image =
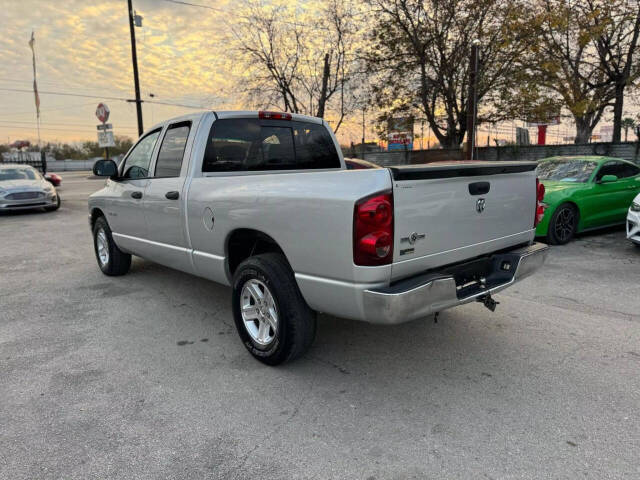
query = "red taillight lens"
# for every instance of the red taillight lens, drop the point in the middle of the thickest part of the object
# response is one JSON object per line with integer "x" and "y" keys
{"x": 274, "y": 116}
{"x": 540, "y": 207}
{"x": 373, "y": 230}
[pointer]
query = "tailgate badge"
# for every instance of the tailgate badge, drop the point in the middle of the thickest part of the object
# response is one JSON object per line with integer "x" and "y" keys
{"x": 413, "y": 237}
{"x": 480, "y": 205}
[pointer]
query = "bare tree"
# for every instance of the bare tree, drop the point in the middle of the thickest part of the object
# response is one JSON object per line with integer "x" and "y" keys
{"x": 617, "y": 27}
{"x": 301, "y": 63}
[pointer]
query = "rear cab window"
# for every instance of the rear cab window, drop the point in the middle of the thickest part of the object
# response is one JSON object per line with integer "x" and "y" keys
{"x": 248, "y": 144}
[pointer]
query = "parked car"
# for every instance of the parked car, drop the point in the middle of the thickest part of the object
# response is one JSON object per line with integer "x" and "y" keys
{"x": 633, "y": 221}
{"x": 584, "y": 193}
{"x": 53, "y": 178}
{"x": 22, "y": 187}
{"x": 263, "y": 202}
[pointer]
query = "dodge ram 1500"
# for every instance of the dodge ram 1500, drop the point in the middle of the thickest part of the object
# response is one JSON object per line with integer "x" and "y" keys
{"x": 264, "y": 202}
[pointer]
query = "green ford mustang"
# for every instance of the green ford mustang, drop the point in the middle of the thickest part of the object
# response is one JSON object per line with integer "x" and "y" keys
{"x": 583, "y": 193}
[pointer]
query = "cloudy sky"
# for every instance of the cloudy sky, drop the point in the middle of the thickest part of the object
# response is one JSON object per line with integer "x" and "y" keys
{"x": 83, "y": 48}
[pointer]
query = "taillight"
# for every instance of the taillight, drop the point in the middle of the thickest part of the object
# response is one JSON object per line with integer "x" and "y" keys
{"x": 373, "y": 230}
{"x": 274, "y": 116}
{"x": 540, "y": 207}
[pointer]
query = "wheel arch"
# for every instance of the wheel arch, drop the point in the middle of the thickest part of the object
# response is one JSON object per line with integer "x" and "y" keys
{"x": 243, "y": 243}
{"x": 96, "y": 212}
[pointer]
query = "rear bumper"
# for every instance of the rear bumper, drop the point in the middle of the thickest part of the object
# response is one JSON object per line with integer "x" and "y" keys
{"x": 425, "y": 294}
{"x": 633, "y": 226}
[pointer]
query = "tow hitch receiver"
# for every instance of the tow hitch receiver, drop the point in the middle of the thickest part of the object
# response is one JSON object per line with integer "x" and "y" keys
{"x": 488, "y": 302}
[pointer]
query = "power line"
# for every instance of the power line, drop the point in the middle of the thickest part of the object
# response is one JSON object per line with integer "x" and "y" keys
{"x": 102, "y": 97}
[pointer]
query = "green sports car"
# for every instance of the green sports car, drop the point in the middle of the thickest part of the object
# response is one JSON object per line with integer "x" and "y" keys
{"x": 584, "y": 193}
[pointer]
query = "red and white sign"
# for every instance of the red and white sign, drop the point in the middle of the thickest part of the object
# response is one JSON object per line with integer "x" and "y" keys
{"x": 102, "y": 112}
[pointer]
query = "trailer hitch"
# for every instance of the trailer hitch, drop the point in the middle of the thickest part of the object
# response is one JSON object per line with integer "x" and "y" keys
{"x": 488, "y": 302}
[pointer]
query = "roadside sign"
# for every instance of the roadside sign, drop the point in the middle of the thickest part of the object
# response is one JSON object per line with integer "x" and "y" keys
{"x": 105, "y": 139}
{"x": 102, "y": 112}
{"x": 104, "y": 126}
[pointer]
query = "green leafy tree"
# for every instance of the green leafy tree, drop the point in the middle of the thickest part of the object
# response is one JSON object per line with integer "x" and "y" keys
{"x": 564, "y": 61}
{"x": 626, "y": 124}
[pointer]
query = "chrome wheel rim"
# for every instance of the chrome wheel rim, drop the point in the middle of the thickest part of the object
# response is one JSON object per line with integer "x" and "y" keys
{"x": 564, "y": 224}
{"x": 259, "y": 312}
{"x": 103, "y": 247}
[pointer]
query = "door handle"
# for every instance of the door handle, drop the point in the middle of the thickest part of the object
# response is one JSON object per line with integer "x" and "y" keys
{"x": 172, "y": 195}
{"x": 136, "y": 194}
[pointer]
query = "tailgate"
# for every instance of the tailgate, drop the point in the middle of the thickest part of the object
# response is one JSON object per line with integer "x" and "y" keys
{"x": 447, "y": 214}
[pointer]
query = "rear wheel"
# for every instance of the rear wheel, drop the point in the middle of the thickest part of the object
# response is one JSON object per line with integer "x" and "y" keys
{"x": 111, "y": 260}
{"x": 273, "y": 320}
{"x": 563, "y": 224}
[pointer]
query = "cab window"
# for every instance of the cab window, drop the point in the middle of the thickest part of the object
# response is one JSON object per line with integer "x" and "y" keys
{"x": 136, "y": 165}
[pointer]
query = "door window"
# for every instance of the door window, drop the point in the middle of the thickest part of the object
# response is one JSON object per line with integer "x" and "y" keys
{"x": 169, "y": 161}
{"x": 619, "y": 169}
{"x": 136, "y": 165}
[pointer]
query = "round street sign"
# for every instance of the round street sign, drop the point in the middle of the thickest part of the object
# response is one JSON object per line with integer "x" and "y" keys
{"x": 102, "y": 112}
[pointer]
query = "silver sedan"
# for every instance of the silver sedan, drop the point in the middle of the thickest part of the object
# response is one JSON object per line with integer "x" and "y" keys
{"x": 23, "y": 187}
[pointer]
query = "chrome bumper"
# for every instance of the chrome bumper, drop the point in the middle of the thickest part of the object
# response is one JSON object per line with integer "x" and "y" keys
{"x": 420, "y": 296}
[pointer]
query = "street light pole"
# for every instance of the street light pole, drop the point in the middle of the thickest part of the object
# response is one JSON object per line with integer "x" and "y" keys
{"x": 472, "y": 110}
{"x": 363, "y": 126}
{"x": 134, "y": 59}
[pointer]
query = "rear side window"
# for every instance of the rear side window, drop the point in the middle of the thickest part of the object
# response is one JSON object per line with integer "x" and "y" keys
{"x": 249, "y": 144}
{"x": 169, "y": 161}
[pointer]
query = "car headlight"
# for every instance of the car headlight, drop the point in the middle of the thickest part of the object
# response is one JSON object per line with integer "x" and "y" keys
{"x": 635, "y": 207}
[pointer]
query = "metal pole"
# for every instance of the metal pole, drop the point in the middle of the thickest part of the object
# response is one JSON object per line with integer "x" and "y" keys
{"x": 472, "y": 110}
{"x": 134, "y": 59}
{"x": 363, "y": 124}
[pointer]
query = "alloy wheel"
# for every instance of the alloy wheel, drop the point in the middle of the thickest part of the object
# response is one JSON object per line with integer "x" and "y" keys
{"x": 259, "y": 312}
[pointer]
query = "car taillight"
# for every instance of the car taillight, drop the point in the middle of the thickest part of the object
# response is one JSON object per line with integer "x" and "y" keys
{"x": 274, "y": 116}
{"x": 373, "y": 230}
{"x": 540, "y": 207}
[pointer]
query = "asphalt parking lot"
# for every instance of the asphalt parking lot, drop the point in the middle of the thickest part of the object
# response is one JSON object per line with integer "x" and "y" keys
{"x": 143, "y": 376}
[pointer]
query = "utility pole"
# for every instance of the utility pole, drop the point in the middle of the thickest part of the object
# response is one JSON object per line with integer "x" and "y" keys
{"x": 472, "y": 110}
{"x": 363, "y": 125}
{"x": 134, "y": 59}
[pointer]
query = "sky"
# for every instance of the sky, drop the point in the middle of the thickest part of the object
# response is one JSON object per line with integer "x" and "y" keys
{"x": 84, "y": 48}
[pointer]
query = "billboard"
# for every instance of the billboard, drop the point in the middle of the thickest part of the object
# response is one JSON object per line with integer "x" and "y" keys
{"x": 400, "y": 133}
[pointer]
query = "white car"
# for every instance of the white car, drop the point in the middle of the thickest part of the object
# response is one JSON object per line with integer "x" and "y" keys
{"x": 22, "y": 187}
{"x": 633, "y": 221}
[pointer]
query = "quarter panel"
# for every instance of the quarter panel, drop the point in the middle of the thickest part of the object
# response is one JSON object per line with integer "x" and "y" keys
{"x": 309, "y": 214}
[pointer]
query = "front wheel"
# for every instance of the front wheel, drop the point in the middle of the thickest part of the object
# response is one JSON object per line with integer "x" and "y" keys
{"x": 111, "y": 260}
{"x": 55, "y": 206}
{"x": 563, "y": 224}
{"x": 274, "y": 322}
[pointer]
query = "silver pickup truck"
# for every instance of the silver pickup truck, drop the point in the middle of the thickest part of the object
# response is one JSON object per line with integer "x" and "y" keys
{"x": 264, "y": 202}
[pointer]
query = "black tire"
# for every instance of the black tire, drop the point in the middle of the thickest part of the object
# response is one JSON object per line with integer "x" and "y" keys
{"x": 296, "y": 322}
{"x": 56, "y": 206}
{"x": 563, "y": 224}
{"x": 117, "y": 262}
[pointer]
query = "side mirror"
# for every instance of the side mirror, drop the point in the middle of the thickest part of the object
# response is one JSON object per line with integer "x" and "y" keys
{"x": 105, "y": 168}
{"x": 608, "y": 178}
